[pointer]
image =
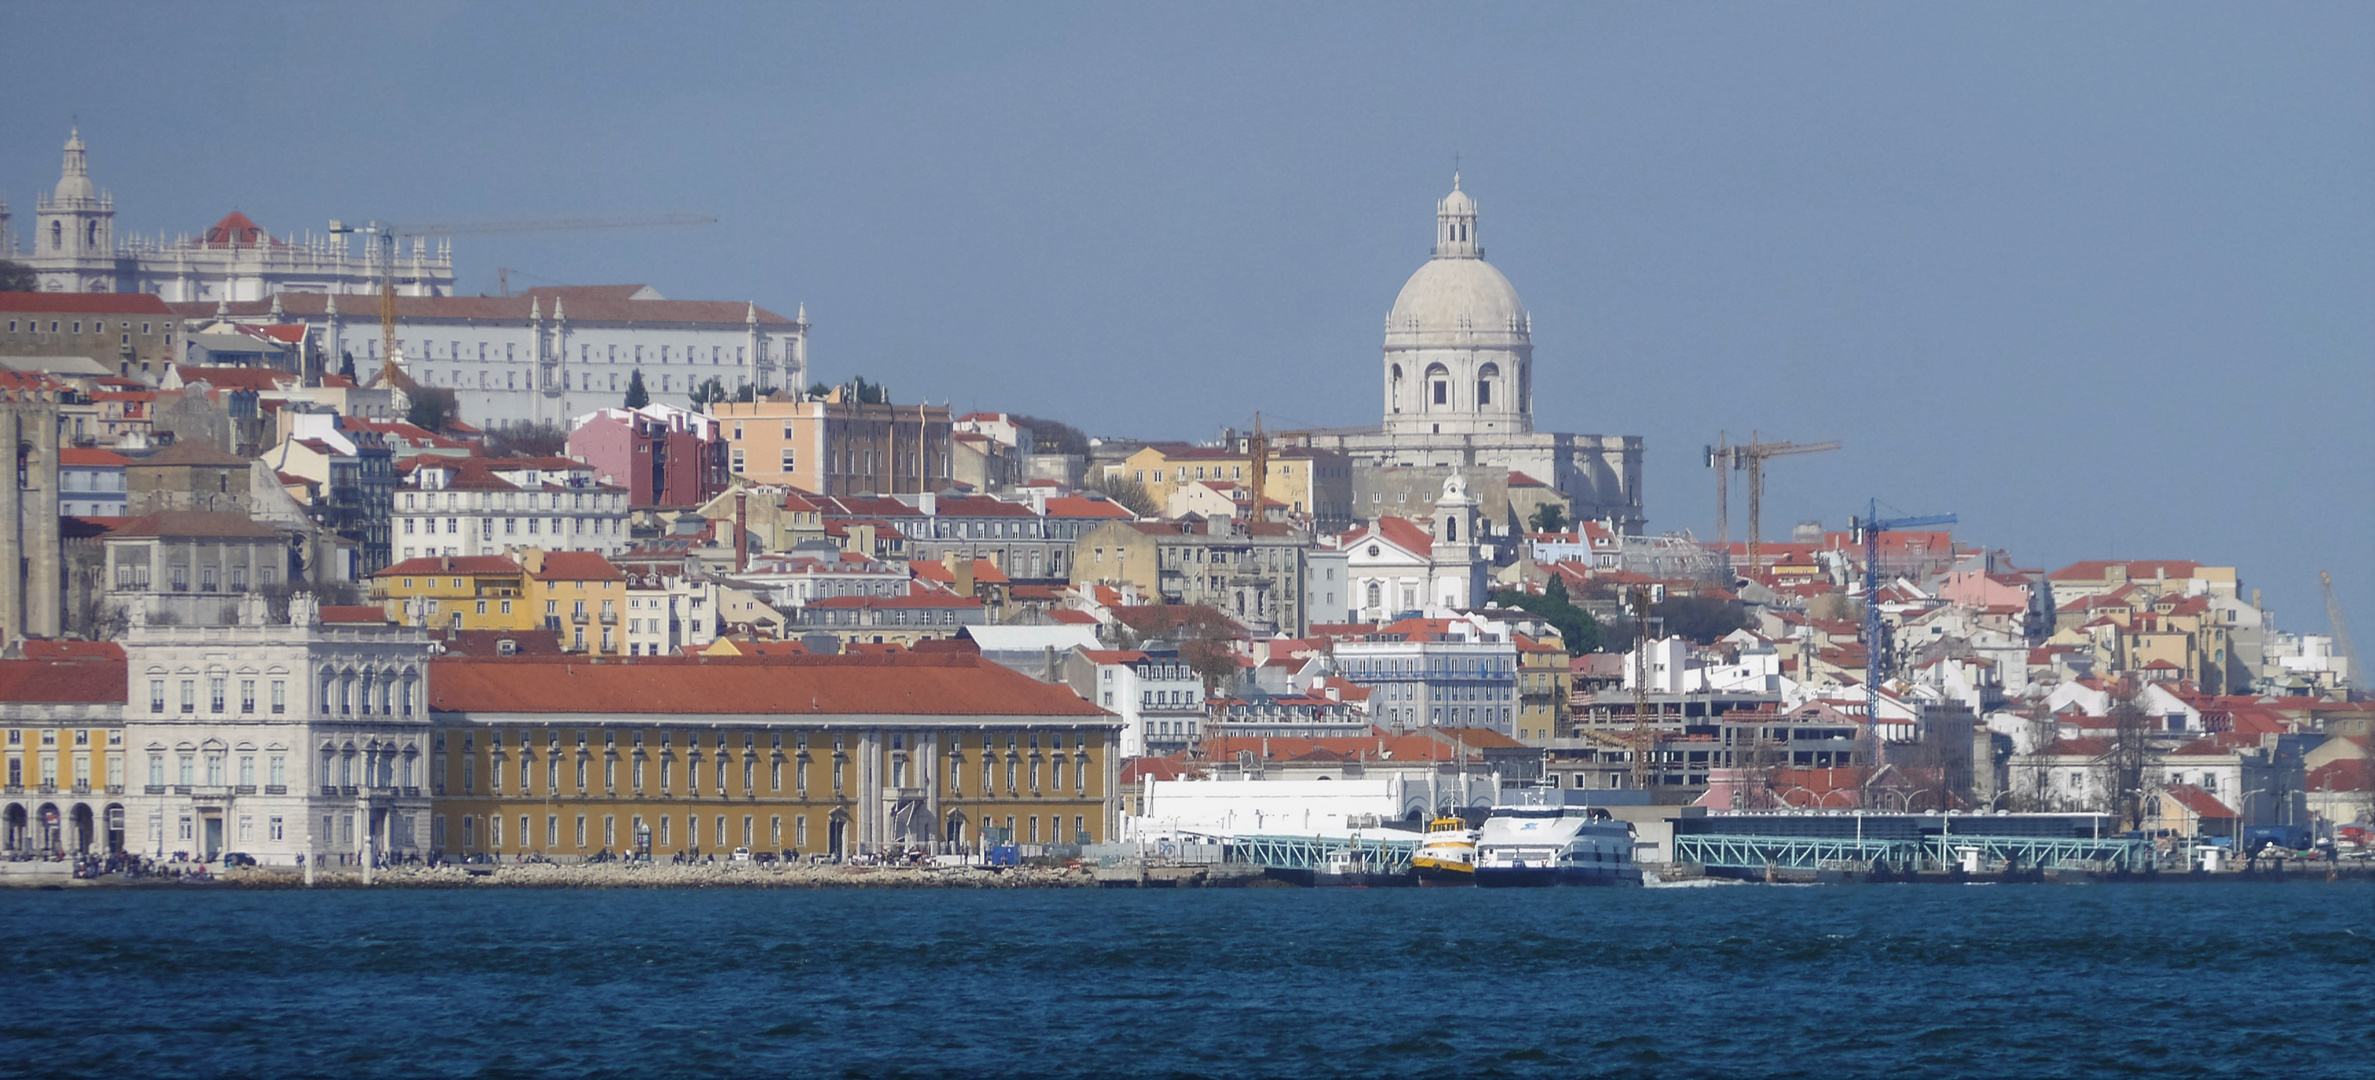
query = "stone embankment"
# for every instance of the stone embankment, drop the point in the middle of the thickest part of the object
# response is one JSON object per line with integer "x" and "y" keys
{"x": 666, "y": 876}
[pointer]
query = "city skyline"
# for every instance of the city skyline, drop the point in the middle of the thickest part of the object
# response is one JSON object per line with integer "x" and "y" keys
{"x": 2091, "y": 279}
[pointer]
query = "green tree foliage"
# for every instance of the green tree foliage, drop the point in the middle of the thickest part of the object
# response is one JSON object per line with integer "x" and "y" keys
{"x": 1548, "y": 518}
{"x": 1576, "y": 627}
{"x": 1699, "y": 618}
{"x": 527, "y": 440}
{"x": 868, "y": 393}
{"x": 432, "y": 408}
{"x": 1054, "y": 436}
{"x": 17, "y": 277}
{"x": 637, "y": 396}
{"x": 746, "y": 393}
{"x": 1206, "y": 638}
{"x": 346, "y": 365}
{"x": 708, "y": 393}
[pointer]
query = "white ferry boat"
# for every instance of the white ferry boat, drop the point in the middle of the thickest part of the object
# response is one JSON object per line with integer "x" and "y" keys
{"x": 1532, "y": 846}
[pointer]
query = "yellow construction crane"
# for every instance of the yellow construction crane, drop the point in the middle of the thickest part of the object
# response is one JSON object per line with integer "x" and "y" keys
{"x": 1750, "y": 457}
{"x": 1258, "y": 446}
{"x": 2343, "y": 647}
{"x": 381, "y": 240}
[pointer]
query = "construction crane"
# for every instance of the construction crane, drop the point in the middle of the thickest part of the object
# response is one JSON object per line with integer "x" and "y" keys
{"x": 1868, "y": 528}
{"x": 381, "y": 242}
{"x": 1750, "y": 457}
{"x": 2343, "y": 647}
{"x": 1258, "y": 447}
{"x": 1642, "y": 738}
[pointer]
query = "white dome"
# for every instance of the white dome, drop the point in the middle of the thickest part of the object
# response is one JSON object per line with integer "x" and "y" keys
{"x": 1458, "y": 295}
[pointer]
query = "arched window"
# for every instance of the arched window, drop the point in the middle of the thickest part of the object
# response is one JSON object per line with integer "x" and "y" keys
{"x": 57, "y": 236}
{"x": 1484, "y": 384}
{"x": 1451, "y": 529}
{"x": 91, "y": 235}
{"x": 1439, "y": 383}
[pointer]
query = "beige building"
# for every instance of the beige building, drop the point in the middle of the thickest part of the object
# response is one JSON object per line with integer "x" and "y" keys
{"x": 835, "y": 446}
{"x": 1312, "y": 483}
{"x": 1253, "y": 573}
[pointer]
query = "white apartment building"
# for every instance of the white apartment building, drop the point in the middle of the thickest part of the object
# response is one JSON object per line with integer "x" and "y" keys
{"x": 278, "y": 738}
{"x": 669, "y": 613}
{"x": 1436, "y": 673}
{"x": 1158, "y": 696}
{"x": 481, "y": 506}
{"x": 547, "y": 355}
{"x": 811, "y": 573}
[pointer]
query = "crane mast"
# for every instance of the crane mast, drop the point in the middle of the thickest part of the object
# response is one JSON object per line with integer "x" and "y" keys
{"x": 1868, "y": 528}
{"x": 1750, "y": 457}
{"x": 2343, "y": 647}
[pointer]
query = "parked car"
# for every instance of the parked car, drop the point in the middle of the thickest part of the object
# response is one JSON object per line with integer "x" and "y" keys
{"x": 238, "y": 858}
{"x": 741, "y": 854}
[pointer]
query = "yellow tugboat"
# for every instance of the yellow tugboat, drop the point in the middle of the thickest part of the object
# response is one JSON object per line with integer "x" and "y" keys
{"x": 1448, "y": 854}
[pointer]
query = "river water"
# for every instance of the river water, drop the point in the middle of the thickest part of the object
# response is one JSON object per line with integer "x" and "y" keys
{"x": 1736, "y": 980}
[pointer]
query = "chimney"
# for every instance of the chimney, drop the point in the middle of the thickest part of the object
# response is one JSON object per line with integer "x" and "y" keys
{"x": 741, "y": 530}
{"x": 960, "y": 571}
{"x": 928, "y": 504}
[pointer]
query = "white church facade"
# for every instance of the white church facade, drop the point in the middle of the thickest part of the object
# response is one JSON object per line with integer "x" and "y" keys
{"x": 75, "y": 249}
{"x": 1458, "y": 379}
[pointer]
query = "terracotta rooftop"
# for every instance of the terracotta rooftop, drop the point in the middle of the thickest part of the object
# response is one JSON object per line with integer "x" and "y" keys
{"x": 898, "y": 684}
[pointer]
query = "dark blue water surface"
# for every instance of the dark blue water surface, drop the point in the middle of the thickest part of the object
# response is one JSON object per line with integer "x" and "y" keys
{"x": 1914, "y": 980}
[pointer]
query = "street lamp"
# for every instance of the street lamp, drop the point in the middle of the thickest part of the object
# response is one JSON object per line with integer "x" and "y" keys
{"x": 2243, "y": 810}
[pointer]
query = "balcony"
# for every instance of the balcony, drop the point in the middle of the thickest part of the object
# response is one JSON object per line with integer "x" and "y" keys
{"x": 152, "y": 789}
{"x": 578, "y": 617}
{"x": 610, "y": 618}
{"x": 244, "y": 789}
{"x": 276, "y": 789}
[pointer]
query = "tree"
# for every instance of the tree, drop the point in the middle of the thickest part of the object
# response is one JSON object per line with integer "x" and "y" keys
{"x": 1053, "y": 436}
{"x": 2129, "y": 752}
{"x": 527, "y": 439}
{"x": 433, "y": 407}
{"x": 1548, "y": 518}
{"x": 1131, "y": 494}
{"x": 818, "y": 389}
{"x": 707, "y": 393}
{"x": 346, "y": 365}
{"x": 17, "y": 277}
{"x": 868, "y": 393}
{"x": 1206, "y": 638}
{"x": 1699, "y": 618}
{"x": 637, "y": 396}
{"x": 1577, "y": 629}
{"x": 746, "y": 393}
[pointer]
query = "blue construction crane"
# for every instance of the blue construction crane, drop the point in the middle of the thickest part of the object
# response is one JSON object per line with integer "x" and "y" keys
{"x": 1867, "y": 529}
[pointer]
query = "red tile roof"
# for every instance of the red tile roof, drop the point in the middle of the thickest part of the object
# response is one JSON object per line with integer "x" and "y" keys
{"x": 2138, "y": 569}
{"x": 73, "y": 650}
{"x": 167, "y": 523}
{"x": 898, "y": 684}
{"x": 353, "y": 613}
{"x": 85, "y": 303}
{"x": 2202, "y": 803}
{"x": 70, "y": 682}
{"x": 73, "y": 455}
{"x": 577, "y": 566}
{"x": 451, "y": 564}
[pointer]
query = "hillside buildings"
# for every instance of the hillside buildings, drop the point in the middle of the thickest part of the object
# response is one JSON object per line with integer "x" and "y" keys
{"x": 76, "y": 250}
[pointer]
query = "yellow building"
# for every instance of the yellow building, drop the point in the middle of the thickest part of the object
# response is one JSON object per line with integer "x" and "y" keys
{"x": 833, "y": 446}
{"x": 836, "y": 755}
{"x": 460, "y": 592}
{"x": 1544, "y": 684}
{"x": 1310, "y": 482}
{"x": 63, "y": 753}
{"x": 577, "y": 594}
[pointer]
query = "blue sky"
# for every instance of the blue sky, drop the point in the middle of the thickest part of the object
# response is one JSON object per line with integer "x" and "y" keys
{"x": 2095, "y": 276}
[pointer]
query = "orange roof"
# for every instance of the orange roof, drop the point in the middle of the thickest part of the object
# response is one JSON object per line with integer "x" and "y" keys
{"x": 84, "y": 303}
{"x": 353, "y": 613}
{"x": 2137, "y": 569}
{"x": 2201, "y": 802}
{"x": 73, "y": 650}
{"x": 577, "y": 566}
{"x": 897, "y": 684}
{"x": 73, "y": 455}
{"x": 86, "y": 682}
{"x": 451, "y": 564}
